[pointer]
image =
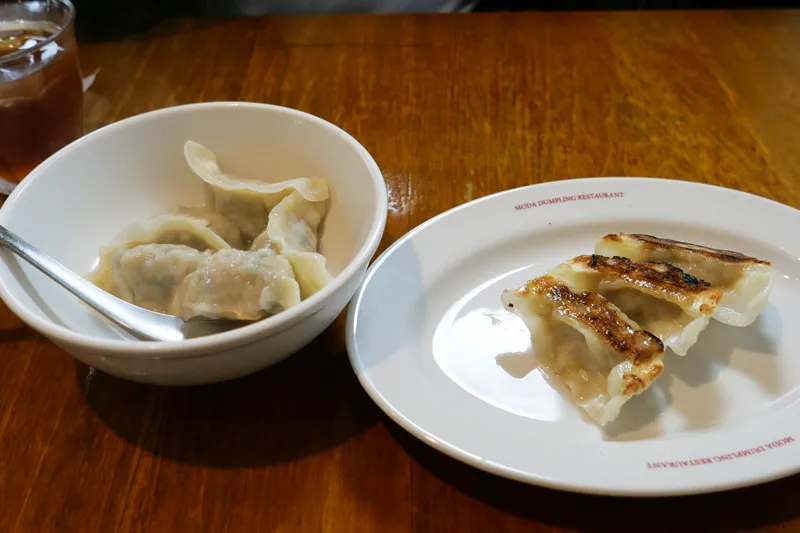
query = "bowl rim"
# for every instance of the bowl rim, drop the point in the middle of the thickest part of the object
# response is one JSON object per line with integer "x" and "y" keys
{"x": 217, "y": 342}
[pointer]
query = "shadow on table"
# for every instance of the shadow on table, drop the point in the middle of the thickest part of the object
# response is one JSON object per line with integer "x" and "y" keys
{"x": 308, "y": 403}
{"x": 743, "y": 509}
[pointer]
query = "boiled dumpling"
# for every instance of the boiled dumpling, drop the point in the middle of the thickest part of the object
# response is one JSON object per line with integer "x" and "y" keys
{"x": 246, "y": 202}
{"x": 659, "y": 297}
{"x": 237, "y": 285}
{"x": 292, "y": 232}
{"x": 202, "y": 261}
{"x": 222, "y": 226}
{"x": 745, "y": 282}
{"x": 292, "y": 225}
{"x": 149, "y": 274}
{"x": 171, "y": 228}
{"x": 309, "y": 270}
{"x": 586, "y": 346}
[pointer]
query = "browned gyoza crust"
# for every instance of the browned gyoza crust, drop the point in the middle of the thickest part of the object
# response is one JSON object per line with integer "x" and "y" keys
{"x": 661, "y": 280}
{"x": 726, "y": 256}
{"x": 601, "y": 316}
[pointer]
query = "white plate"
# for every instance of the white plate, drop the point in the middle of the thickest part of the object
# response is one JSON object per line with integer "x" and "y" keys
{"x": 435, "y": 349}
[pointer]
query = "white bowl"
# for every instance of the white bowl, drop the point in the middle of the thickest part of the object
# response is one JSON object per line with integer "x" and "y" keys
{"x": 82, "y": 196}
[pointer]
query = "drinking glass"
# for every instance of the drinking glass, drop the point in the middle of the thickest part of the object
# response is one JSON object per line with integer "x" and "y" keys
{"x": 41, "y": 91}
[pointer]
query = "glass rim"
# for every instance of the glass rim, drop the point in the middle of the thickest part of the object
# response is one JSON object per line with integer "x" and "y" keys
{"x": 70, "y": 9}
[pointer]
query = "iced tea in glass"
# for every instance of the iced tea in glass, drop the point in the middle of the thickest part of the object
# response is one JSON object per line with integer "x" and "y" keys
{"x": 41, "y": 91}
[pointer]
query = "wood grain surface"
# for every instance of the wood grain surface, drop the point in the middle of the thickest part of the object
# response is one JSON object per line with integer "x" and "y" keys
{"x": 453, "y": 108}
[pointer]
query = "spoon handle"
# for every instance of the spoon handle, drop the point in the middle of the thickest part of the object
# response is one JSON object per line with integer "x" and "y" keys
{"x": 6, "y": 187}
{"x": 136, "y": 320}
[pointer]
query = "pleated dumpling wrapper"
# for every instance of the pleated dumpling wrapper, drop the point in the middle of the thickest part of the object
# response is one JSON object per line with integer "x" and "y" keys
{"x": 292, "y": 232}
{"x": 598, "y": 357}
{"x": 245, "y": 201}
{"x": 659, "y": 297}
{"x": 221, "y": 225}
{"x": 745, "y": 282}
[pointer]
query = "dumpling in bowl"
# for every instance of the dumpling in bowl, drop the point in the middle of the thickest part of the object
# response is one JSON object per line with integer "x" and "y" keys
{"x": 292, "y": 225}
{"x": 171, "y": 228}
{"x": 745, "y": 282}
{"x": 149, "y": 274}
{"x": 222, "y": 226}
{"x": 246, "y": 202}
{"x": 237, "y": 285}
{"x": 585, "y": 345}
{"x": 178, "y": 229}
{"x": 659, "y": 297}
{"x": 292, "y": 232}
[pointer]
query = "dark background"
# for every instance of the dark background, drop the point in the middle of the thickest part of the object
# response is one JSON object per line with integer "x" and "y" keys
{"x": 492, "y": 5}
{"x": 115, "y": 19}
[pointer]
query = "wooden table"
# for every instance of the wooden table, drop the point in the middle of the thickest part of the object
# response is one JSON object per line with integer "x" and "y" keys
{"x": 452, "y": 107}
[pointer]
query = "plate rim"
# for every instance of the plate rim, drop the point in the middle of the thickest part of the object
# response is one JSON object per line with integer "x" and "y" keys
{"x": 508, "y": 472}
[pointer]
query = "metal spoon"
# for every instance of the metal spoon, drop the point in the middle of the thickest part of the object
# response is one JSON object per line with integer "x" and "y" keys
{"x": 6, "y": 187}
{"x": 142, "y": 323}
